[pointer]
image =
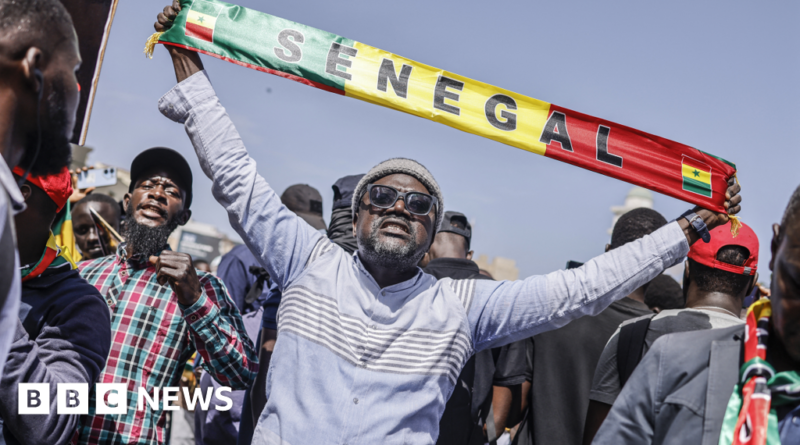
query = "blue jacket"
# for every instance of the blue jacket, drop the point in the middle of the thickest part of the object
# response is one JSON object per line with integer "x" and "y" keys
{"x": 63, "y": 335}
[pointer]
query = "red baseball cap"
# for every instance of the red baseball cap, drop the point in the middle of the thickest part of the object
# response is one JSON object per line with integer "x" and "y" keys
{"x": 58, "y": 186}
{"x": 706, "y": 253}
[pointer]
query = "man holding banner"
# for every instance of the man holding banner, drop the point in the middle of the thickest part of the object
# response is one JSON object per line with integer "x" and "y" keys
{"x": 389, "y": 338}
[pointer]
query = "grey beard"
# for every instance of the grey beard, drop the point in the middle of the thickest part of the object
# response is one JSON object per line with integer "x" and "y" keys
{"x": 389, "y": 254}
{"x": 145, "y": 240}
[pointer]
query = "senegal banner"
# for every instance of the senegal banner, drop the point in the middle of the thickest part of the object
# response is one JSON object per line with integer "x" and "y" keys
{"x": 342, "y": 66}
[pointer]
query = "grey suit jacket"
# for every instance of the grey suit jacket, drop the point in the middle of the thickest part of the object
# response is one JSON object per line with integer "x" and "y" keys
{"x": 679, "y": 391}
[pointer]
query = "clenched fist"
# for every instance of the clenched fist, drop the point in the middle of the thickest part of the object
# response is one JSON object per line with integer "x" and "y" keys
{"x": 184, "y": 61}
{"x": 177, "y": 270}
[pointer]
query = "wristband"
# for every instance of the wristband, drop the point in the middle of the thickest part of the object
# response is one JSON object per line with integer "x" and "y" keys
{"x": 698, "y": 225}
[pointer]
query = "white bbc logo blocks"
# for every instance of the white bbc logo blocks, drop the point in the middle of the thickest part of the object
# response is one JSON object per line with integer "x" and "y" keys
{"x": 73, "y": 398}
{"x": 111, "y": 398}
{"x": 34, "y": 398}
{"x": 117, "y": 394}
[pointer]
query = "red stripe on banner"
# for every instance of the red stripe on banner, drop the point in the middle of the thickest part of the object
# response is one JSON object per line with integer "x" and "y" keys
{"x": 299, "y": 79}
{"x": 199, "y": 32}
{"x": 636, "y": 157}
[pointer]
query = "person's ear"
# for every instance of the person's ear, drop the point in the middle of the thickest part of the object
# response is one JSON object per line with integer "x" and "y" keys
{"x": 469, "y": 254}
{"x": 184, "y": 217}
{"x": 126, "y": 201}
{"x": 776, "y": 243}
{"x": 752, "y": 285}
{"x": 425, "y": 260}
{"x": 32, "y": 69}
{"x": 355, "y": 224}
{"x": 608, "y": 247}
{"x": 26, "y": 191}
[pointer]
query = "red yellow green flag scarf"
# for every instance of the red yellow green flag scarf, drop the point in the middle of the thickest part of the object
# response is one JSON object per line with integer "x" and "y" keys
{"x": 53, "y": 256}
{"x": 65, "y": 236}
{"x": 343, "y": 66}
{"x": 750, "y": 418}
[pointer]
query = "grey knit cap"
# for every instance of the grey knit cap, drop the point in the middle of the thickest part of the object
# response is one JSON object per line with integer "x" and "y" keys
{"x": 404, "y": 166}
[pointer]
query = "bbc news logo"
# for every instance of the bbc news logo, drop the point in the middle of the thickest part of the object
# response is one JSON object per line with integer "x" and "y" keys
{"x": 112, "y": 398}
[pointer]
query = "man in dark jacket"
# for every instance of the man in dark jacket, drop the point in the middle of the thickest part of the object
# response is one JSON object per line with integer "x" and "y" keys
{"x": 63, "y": 334}
{"x": 340, "y": 230}
{"x": 487, "y": 395}
{"x": 681, "y": 392}
{"x": 563, "y": 360}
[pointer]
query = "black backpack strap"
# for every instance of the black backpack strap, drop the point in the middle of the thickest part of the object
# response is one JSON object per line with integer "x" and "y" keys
{"x": 630, "y": 347}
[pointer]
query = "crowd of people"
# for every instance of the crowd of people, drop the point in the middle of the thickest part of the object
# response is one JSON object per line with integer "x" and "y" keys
{"x": 375, "y": 328}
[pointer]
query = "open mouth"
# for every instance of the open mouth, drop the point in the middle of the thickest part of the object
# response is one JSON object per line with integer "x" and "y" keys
{"x": 396, "y": 226}
{"x": 152, "y": 211}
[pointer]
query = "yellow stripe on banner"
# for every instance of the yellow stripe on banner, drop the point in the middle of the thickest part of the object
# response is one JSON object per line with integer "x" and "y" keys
{"x": 696, "y": 174}
{"x": 482, "y": 109}
{"x": 200, "y": 19}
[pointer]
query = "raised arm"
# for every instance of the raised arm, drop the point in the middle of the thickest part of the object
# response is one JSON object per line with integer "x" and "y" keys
{"x": 281, "y": 241}
{"x": 502, "y": 312}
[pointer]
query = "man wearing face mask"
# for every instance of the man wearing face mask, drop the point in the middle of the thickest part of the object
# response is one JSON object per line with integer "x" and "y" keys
{"x": 163, "y": 309}
{"x": 38, "y": 100}
{"x": 736, "y": 385}
{"x": 63, "y": 332}
{"x": 370, "y": 347}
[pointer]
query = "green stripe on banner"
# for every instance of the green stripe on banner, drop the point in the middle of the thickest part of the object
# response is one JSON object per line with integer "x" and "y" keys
{"x": 696, "y": 187}
{"x": 721, "y": 159}
{"x": 236, "y": 40}
{"x": 206, "y": 7}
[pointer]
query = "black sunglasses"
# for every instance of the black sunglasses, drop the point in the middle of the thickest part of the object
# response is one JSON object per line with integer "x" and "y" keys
{"x": 384, "y": 197}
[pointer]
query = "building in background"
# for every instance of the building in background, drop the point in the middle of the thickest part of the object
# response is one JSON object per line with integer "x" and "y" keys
{"x": 201, "y": 241}
{"x": 500, "y": 268}
{"x": 641, "y": 197}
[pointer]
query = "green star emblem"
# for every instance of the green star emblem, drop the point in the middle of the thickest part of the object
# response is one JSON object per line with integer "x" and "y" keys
{"x": 201, "y": 20}
{"x": 696, "y": 173}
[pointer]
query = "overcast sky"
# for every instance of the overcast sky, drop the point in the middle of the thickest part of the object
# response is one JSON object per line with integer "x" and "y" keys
{"x": 719, "y": 76}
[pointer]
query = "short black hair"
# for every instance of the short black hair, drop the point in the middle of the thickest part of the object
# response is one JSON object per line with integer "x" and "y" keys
{"x": 664, "y": 293}
{"x": 709, "y": 279}
{"x": 30, "y": 21}
{"x": 634, "y": 225}
{"x": 792, "y": 213}
{"x": 104, "y": 199}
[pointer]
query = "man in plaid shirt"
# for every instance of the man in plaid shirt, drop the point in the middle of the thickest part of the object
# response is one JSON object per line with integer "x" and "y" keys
{"x": 163, "y": 310}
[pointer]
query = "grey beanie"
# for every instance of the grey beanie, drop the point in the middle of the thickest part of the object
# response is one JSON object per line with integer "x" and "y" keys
{"x": 404, "y": 166}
